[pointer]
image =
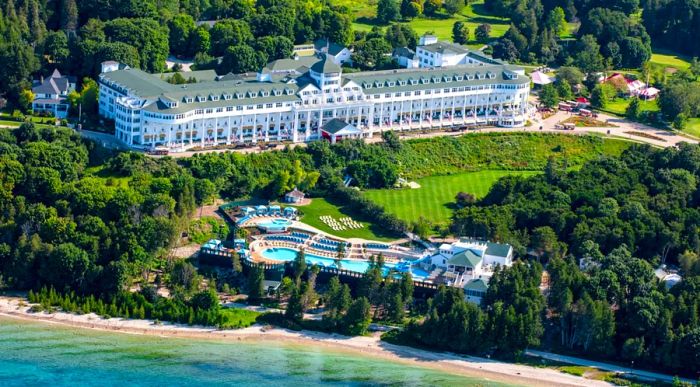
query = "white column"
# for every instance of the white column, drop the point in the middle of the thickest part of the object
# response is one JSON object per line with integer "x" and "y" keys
{"x": 278, "y": 126}
{"x": 267, "y": 127}
{"x": 308, "y": 125}
{"x": 442, "y": 110}
{"x": 295, "y": 126}
{"x": 216, "y": 131}
{"x": 255, "y": 126}
{"x": 228, "y": 132}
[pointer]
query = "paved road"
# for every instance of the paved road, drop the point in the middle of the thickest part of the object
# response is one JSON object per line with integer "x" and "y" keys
{"x": 605, "y": 366}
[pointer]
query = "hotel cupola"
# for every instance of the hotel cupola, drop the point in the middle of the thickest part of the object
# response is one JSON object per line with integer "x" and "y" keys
{"x": 325, "y": 72}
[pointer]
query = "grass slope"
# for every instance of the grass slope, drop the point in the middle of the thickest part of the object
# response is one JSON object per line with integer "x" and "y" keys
{"x": 322, "y": 206}
{"x": 434, "y": 200}
{"x": 499, "y": 151}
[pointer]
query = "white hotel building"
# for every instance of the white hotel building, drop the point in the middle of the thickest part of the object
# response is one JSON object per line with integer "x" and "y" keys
{"x": 306, "y": 99}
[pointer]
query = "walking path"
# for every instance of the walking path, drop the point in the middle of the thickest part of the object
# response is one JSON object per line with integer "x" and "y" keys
{"x": 647, "y": 375}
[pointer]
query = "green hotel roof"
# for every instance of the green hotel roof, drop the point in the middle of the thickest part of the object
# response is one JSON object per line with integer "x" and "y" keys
{"x": 477, "y": 284}
{"x": 465, "y": 258}
{"x": 152, "y": 87}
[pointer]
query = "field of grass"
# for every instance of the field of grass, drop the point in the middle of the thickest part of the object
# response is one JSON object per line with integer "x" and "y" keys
{"x": 13, "y": 124}
{"x": 237, "y": 318}
{"x": 441, "y": 25}
{"x": 434, "y": 200}
{"x": 665, "y": 59}
{"x": 497, "y": 151}
{"x": 326, "y": 207}
{"x": 619, "y": 106}
{"x": 107, "y": 177}
{"x": 693, "y": 127}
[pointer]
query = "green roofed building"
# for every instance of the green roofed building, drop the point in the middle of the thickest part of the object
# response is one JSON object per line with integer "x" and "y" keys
{"x": 297, "y": 99}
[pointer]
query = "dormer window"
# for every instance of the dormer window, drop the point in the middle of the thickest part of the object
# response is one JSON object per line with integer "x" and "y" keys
{"x": 402, "y": 83}
{"x": 458, "y": 78}
{"x": 447, "y": 78}
{"x": 189, "y": 100}
{"x": 214, "y": 97}
{"x": 227, "y": 97}
{"x": 200, "y": 98}
{"x": 414, "y": 81}
{"x": 425, "y": 80}
{"x": 263, "y": 93}
{"x": 252, "y": 94}
{"x": 239, "y": 95}
{"x": 289, "y": 91}
{"x": 277, "y": 92}
{"x": 436, "y": 80}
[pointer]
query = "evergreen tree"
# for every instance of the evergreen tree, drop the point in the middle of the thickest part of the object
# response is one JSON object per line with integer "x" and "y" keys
{"x": 460, "y": 32}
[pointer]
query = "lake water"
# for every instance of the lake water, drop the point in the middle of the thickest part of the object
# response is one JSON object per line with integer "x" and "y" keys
{"x": 38, "y": 354}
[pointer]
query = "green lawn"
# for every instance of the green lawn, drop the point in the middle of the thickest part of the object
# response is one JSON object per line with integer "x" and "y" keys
{"x": 665, "y": 59}
{"x": 693, "y": 127}
{"x": 619, "y": 105}
{"x": 441, "y": 25}
{"x": 107, "y": 177}
{"x": 13, "y": 124}
{"x": 435, "y": 198}
{"x": 321, "y": 206}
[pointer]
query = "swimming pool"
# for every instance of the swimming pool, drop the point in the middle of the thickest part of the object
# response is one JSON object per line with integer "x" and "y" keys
{"x": 286, "y": 255}
{"x": 275, "y": 225}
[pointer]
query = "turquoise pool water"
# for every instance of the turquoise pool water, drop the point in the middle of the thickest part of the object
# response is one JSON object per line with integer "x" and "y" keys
{"x": 275, "y": 224}
{"x": 286, "y": 255}
{"x": 40, "y": 354}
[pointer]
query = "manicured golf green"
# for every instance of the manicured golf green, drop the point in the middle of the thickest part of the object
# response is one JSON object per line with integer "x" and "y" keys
{"x": 435, "y": 198}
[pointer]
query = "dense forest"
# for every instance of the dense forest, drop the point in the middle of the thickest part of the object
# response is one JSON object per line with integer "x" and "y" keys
{"x": 619, "y": 218}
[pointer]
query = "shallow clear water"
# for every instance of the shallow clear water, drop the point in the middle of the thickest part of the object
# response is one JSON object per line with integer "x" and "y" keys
{"x": 34, "y": 354}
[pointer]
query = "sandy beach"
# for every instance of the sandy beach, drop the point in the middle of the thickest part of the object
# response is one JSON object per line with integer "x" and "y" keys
{"x": 372, "y": 346}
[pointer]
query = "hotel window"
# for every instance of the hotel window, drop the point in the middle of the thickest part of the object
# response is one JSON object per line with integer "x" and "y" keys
{"x": 249, "y": 107}
{"x": 397, "y": 94}
{"x": 417, "y": 92}
{"x": 209, "y": 111}
{"x": 260, "y": 106}
{"x": 219, "y": 110}
{"x": 278, "y": 104}
{"x": 269, "y": 105}
{"x": 387, "y": 95}
{"x": 407, "y": 93}
{"x": 229, "y": 108}
{"x": 239, "y": 108}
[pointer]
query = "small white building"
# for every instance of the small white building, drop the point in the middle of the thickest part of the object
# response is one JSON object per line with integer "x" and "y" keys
{"x": 340, "y": 54}
{"x": 294, "y": 196}
{"x": 51, "y": 94}
{"x": 432, "y": 53}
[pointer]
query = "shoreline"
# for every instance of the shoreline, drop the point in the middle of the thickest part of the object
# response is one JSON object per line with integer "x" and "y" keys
{"x": 468, "y": 366}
